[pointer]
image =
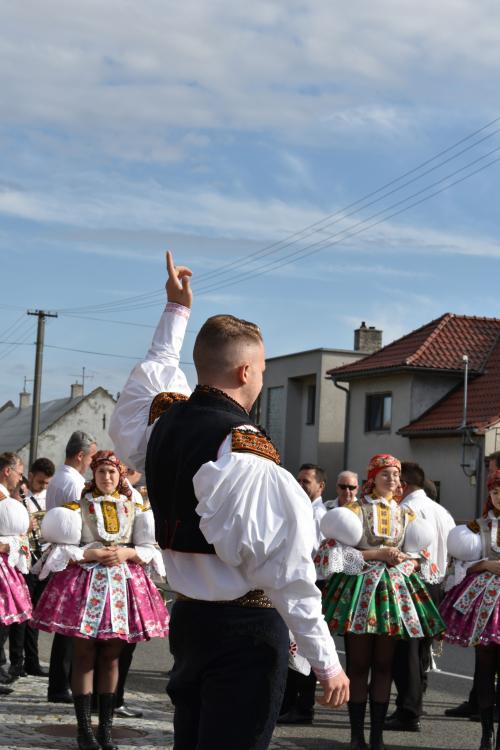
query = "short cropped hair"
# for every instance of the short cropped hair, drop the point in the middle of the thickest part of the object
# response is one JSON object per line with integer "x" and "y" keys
{"x": 211, "y": 351}
{"x": 43, "y": 466}
{"x": 319, "y": 473}
{"x": 79, "y": 441}
{"x": 9, "y": 458}
{"x": 412, "y": 473}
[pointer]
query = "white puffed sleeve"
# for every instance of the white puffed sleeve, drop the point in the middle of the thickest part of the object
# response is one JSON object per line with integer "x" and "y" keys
{"x": 143, "y": 538}
{"x": 465, "y": 548}
{"x": 18, "y": 554}
{"x": 14, "y": 518}
{"x": 57, "y": 557}
{"x": 342, "y": 525}
{"x": 260, "y": 520}
{"x": 62, "y": 528}
{"x": 158, "y": 373}
{"x": 464, "y": 544}
{"x": 418, "y": 536}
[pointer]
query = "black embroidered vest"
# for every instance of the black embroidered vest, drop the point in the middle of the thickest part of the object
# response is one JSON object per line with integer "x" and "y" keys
{"x": 184, "y": 438}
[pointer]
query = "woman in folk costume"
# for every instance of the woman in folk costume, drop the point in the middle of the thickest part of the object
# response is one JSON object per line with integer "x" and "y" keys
{"x": 15, "y": 601}
{"x": 471, "y": 608}
{"x": 376, "y": 596}
{"x": 100, "y": 592}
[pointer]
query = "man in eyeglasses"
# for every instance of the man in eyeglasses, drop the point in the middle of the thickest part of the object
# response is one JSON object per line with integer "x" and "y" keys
{"x": 347, "y": 490}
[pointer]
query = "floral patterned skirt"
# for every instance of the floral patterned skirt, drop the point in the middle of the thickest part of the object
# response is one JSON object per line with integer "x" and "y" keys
{"x": 382, "y": 601}
{"x": 15, "y": 600}
{"x": 95, "y": 601}
{"x": 471, "y": 611}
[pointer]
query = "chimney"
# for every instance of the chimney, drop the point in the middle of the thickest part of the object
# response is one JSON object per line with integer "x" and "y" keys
{"x": 367, "y": 339}
{"x": 24, "y": 400}
{"x": 76, "y": 390}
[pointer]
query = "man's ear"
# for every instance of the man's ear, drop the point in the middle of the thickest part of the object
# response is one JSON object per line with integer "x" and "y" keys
{"x": 242, "y": 373}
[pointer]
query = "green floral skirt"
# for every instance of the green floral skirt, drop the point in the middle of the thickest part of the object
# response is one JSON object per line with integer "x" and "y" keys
{"x": 383, "y": 601}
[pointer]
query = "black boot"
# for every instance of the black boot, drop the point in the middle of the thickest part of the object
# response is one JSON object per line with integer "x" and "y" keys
{"x": 86, "y": 739}
{"x": 486, "y": 716}
{"x": 357, "y": 720}
{"x": 378, "y": 712}
{"x": 497, "y": 744}
{"x": 106, "y": 707}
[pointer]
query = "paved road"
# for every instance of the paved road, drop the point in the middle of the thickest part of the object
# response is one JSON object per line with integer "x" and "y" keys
{"x": 26, "y": 717}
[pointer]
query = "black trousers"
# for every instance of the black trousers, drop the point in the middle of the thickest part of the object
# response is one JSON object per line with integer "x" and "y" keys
{"x": 60, "y": 664}
{"x": 23, "y": 639}
{"x": 229, "y": 673}
{"x": 300, "y": 692}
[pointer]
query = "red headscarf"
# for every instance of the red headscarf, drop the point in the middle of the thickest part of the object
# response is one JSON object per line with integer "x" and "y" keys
{"x": 493, "y": 481}
{"x": 378, "y": 463}
{"x": 108, "y": 457}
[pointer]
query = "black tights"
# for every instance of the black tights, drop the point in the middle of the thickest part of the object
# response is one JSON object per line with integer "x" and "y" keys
{"x": 85, "y": 654}
{"x": 488, "y": 666}
{"x": 370, "y": 653}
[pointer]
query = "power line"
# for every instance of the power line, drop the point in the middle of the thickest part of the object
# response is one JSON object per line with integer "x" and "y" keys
{"x": 356, "y": 206}
{"x": 299, "y": 255}
{"x": 24, "y": 337}
{"x": 120, "y": 322}
{"x": 139, "y": 301}
{"x": 83, "y": 351}
{"x": 349, "y": 232}
{"x": 13, "y": 325}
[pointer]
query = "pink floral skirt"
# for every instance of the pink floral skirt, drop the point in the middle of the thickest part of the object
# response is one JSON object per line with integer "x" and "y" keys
{"x": 102, "y": 603}
{"x": 471, "y": 611}
{"x": 15, "y": 601}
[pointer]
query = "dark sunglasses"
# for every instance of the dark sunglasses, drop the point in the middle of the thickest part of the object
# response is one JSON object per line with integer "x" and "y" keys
{"x": 348, "y": 486}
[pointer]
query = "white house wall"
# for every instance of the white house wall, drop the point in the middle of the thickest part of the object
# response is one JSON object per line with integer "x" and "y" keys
{"x": 87, "y": 416}
{"x": 321, "y": 442}
{"x": 439, "y": 457}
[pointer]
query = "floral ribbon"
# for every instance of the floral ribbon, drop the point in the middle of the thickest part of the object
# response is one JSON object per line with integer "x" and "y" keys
{"x": 371, "y": 579}
{"x": 112, "y": 581}
{"x": 487, "y": 584}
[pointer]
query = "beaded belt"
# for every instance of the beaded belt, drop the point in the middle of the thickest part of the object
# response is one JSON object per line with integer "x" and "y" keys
{"x": 255, "y": 598}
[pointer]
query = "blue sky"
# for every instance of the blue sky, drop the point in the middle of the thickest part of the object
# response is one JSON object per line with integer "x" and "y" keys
{"x": 217, "y": 130}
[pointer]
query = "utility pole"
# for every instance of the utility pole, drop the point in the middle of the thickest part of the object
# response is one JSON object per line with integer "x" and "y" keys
{"x": 37, "y": 387}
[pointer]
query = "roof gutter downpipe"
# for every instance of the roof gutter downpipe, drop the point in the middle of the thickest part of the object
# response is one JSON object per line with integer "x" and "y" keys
{"x": 347, "y": 419}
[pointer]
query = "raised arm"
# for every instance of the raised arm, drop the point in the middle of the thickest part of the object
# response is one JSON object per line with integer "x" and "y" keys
{"x": 159, "y": 372}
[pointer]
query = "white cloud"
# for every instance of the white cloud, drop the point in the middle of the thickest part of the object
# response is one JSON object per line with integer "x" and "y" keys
{"x": 126, "y": 67}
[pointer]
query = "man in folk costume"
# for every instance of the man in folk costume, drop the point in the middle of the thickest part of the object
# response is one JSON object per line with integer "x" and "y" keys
{"x": 236, "y": 529}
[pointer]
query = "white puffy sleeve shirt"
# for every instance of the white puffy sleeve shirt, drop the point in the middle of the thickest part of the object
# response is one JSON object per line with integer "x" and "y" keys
{"x": 158, "y": 373}
{"x": 261, "y": 524}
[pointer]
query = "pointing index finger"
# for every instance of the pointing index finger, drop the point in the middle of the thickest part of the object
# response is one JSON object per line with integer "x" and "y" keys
{"x": 170, "y": 265}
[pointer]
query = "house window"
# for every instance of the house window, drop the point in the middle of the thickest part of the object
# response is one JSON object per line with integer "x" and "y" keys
{"x": 103, "y": 421}
{"x": 378, "y": 412}
{"x": 311, "y": 404}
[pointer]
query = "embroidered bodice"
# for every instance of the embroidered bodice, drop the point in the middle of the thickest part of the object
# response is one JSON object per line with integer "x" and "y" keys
{"x": 107, "y": 518}
{"x": 384, "y": 521}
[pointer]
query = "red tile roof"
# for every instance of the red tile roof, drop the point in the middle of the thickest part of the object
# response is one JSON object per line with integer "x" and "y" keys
{"x": 483, "y": 404}
{"x": 438, "y": 345}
